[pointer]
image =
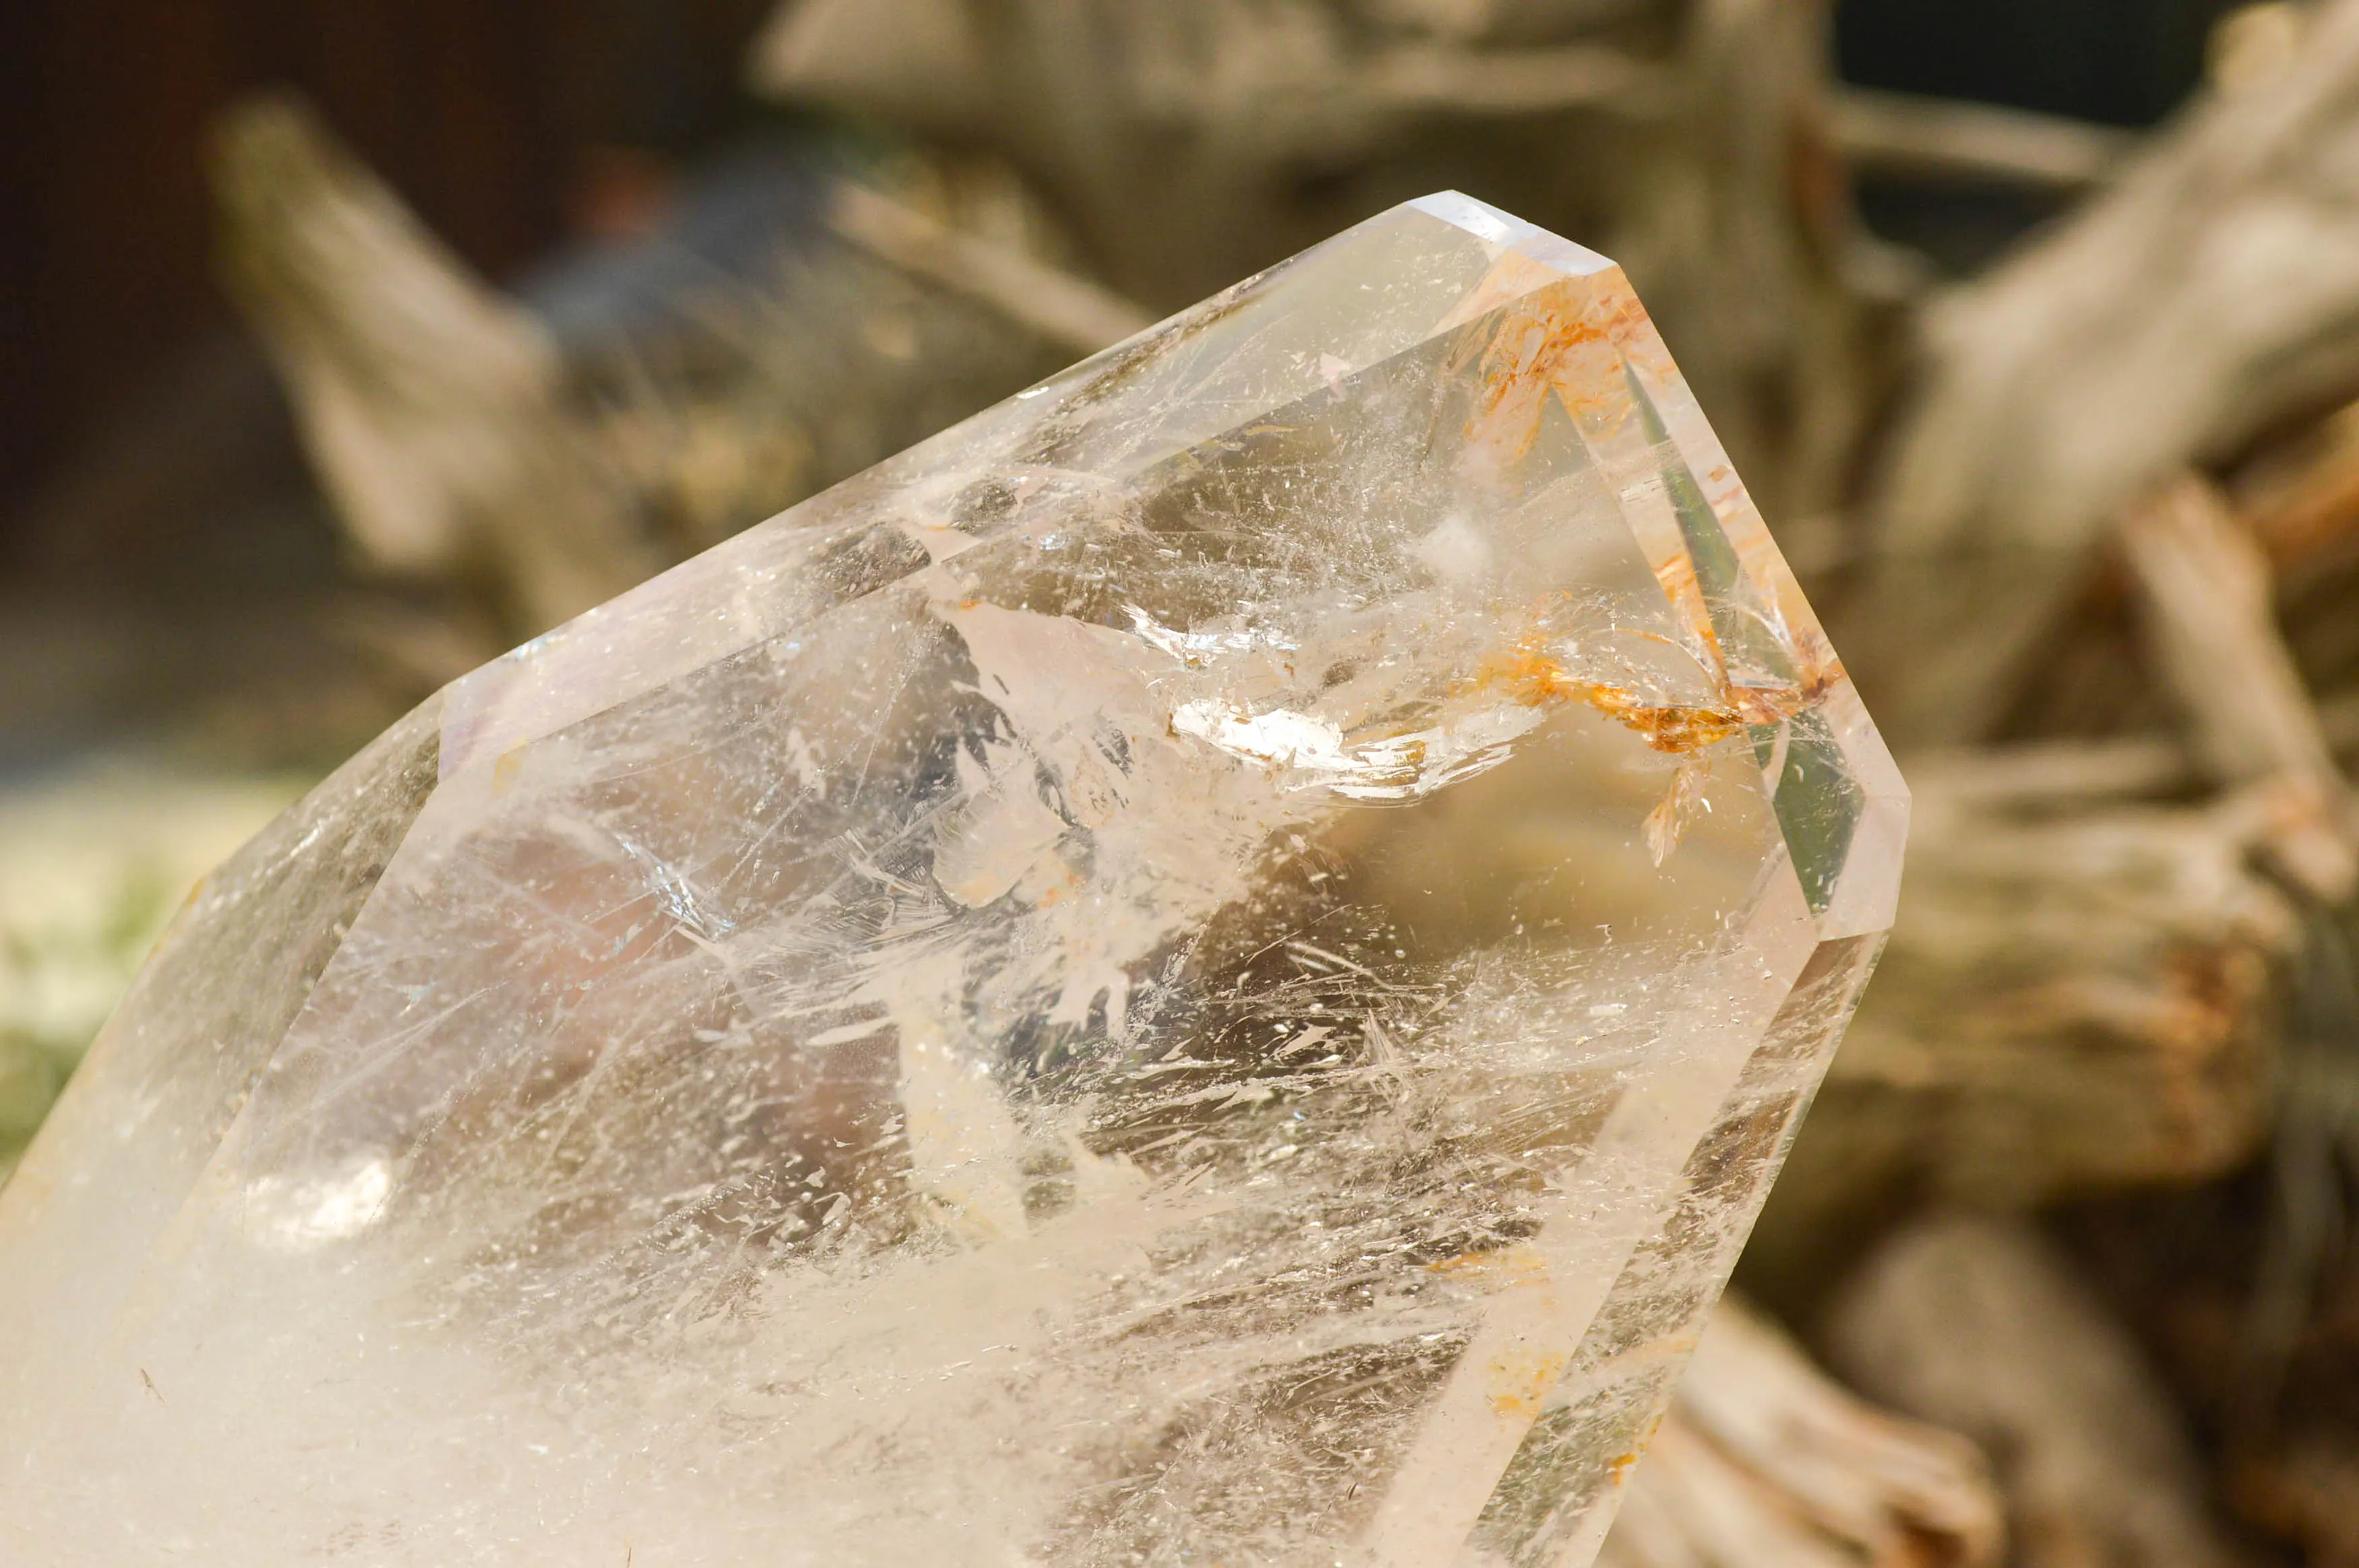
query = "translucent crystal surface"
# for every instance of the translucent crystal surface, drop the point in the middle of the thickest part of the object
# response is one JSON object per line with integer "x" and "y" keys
{"x": 1208, "y": 968}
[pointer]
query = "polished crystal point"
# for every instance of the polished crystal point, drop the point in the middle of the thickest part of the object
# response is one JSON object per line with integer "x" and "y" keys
{"x": 1208, "y": 968}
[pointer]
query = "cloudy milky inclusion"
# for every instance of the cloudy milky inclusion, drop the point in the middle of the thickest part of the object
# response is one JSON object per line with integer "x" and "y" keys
{"x": 1208, "y": 968}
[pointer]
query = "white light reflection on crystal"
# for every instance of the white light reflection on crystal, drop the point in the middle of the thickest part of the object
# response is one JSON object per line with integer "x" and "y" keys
{"x": 294, "y": 1213}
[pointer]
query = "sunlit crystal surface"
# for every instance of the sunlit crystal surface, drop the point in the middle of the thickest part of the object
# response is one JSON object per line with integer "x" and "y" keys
{"x": 1208, "y": 968}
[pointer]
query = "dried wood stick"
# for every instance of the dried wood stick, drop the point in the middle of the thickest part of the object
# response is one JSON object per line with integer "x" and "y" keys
{"x": 1979, "y": 1326}
{"x": 1159, "y": 130}
{"x": 1519, "y": 82}
{"x": 428, "y": 402}
{"x": 2076, "y": 997}
{"x": 1174, "y": 138}
{"x": 1765, "y": 1459}
{"x": 2209, "y": 293}
{"x": 1903, "y": 133}
{"x": 1492, "y": 20}
{"x": 1067, "y": 310}
{"x": 2204, "y": 584}
{"x": 2053, "y": 772}
{"x": 2071, "y": 772}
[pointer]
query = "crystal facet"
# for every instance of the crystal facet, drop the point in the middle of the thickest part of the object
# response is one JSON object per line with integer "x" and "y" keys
{"x": 1209, "y": 966}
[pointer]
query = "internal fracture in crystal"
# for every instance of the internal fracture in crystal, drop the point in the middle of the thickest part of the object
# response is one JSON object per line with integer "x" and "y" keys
{"x": 1209, "y": 966}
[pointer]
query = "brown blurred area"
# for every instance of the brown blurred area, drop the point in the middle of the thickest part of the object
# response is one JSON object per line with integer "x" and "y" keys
{"x": 164, "y": 551}
{"x": 509, "y": 127}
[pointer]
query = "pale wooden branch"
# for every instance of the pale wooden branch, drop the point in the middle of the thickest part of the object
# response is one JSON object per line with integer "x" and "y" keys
{"x": 2204, "y": 584}
{"x": 1175, "y": 140}
{"x": 2056, "y": 774}
{"x": 2077, "y": 997}
{"x": 428, "y": 402}
{"x": 2071, "y": 999}
{"x": 1764, "y": 1459}
{"x": 1071, "y": 311}
{"x": 1481, "y": 21}
{"x": 2069, "y": 774}
{"x": 1456, "y": 80}
{"x": 1161, "y": 132}
{"x": 1910, "y": 134}
{"x": 2209, "y": 293}
{"x": 1978, "y": 1325}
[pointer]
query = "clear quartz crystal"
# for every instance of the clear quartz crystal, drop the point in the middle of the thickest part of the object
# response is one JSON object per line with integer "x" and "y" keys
{"x": 1208, "y": 968}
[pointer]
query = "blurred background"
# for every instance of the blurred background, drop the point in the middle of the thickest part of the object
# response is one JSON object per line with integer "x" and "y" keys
{"x": 348, "y": 345}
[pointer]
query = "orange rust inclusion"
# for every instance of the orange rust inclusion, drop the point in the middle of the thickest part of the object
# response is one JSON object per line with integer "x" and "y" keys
{"x": 1537, "y": 348}
{"x": 1537, "y": 679}
{"x": 1560, "y": 340}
